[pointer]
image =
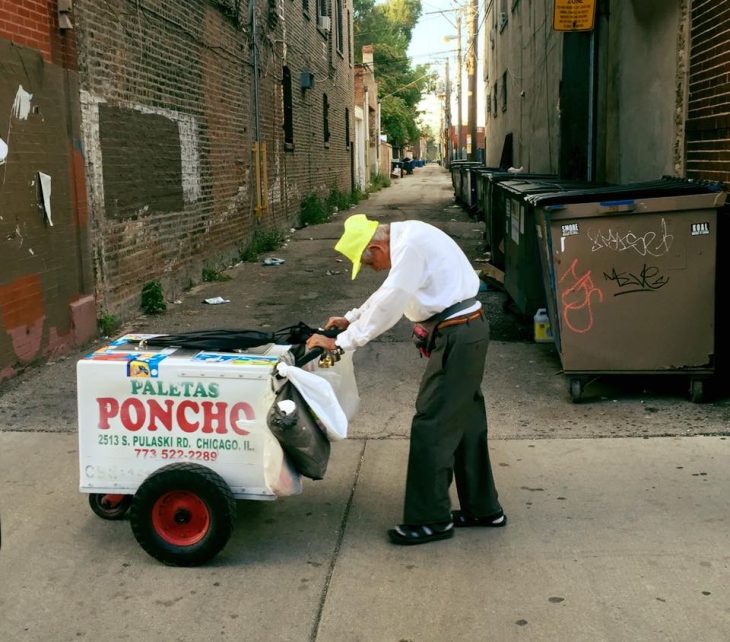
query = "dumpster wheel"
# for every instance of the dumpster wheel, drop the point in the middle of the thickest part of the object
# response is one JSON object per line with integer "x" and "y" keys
{"x": 697, "y": 390}
{"x": 576, "y": 389}
{"x": 108, "y": 506}
{"x": 183, "y": 514}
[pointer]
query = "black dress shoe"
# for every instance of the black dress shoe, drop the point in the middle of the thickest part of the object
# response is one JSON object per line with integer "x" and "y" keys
{"x": 462, "y": 520}
{"x": 409, "y": 534}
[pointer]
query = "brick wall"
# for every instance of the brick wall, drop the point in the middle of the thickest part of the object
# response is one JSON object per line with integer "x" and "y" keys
{"x": 708, "y": 111}
{"x": 46, "y": 302}
{"x": 34, "y": 24}
{"x": 169, "y": 127}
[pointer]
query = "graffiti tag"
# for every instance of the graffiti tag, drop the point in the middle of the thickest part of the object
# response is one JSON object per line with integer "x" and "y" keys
{"x": 649, "y": 243}
{"x": 577, "y": 297}
{"x": 649, "y": 279}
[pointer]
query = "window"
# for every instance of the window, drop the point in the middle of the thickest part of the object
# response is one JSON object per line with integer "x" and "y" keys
{"x": 504, "y": 91}
{"x": 502, "y": 15}
{"x": 322, "y": 7}
{"x": 288, "y": 110}
{"x": 340, "y": 36}
{"x": 326, "y": 119}
{"x": 349, "y": 38}
{"x": 305, "y": 7}
{"x": 347, "y": 128}
{"x": 494, "y": 100}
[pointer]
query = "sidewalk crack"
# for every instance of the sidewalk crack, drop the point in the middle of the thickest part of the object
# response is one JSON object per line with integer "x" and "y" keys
{"x": 336, "y": 551}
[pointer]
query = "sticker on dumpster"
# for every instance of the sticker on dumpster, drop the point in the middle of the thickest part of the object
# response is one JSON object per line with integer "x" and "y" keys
{"x": 700, "y": 229}
{"x": 571, "y": 229}
{"x": 515, "y": 231}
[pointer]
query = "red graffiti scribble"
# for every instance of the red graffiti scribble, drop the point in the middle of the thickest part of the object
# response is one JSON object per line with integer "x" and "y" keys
{"x": 576, "y": 300}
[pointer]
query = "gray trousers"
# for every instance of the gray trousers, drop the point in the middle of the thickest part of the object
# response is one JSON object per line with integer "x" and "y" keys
{"x": 449, "y": 431}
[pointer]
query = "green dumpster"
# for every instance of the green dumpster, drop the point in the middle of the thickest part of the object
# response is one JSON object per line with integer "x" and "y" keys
{"x": 493, "y": 206}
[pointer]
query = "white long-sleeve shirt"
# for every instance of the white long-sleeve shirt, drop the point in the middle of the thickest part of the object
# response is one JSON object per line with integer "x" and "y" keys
{"x": 428, "y": 273}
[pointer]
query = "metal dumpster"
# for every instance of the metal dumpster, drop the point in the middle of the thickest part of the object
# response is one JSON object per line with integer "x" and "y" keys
{"x": 480, "y": 182}
{"x": 630, "y": 277}
{"x": 455, "y": 168}
{"x": 467, "y": 195}
{"x": 522, "y": 269}
{"x": 493, "y": 206}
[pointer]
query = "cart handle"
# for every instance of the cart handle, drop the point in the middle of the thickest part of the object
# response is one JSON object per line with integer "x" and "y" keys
{"x": 317, "y": 352}
{"x": 309, "y": 356}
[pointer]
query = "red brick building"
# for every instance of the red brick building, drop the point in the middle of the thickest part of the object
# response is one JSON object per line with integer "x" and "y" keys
{"x": 172, "y": 132}
{"x": 46, "y": 283}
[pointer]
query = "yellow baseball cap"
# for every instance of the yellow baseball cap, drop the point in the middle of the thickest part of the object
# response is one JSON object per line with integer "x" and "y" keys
{"x": 359, "y": 231}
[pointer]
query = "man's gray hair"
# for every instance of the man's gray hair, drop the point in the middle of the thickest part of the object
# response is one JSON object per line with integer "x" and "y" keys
{"x": 382, "y": 233}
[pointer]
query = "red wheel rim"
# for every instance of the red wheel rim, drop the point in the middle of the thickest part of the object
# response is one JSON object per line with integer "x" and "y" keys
{"x": 180, "y": 518}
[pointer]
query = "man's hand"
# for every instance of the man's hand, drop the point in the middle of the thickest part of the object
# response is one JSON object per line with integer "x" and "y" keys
{"x": 341, "y": 323}
{"x": 320, "y": 341}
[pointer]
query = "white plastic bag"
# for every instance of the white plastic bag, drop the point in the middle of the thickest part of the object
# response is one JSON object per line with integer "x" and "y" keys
{"x": 320, "y": 398}
{"x": 342, "y": 379}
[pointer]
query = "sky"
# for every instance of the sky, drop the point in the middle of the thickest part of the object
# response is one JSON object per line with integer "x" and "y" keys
{"x": 427, "y": 45}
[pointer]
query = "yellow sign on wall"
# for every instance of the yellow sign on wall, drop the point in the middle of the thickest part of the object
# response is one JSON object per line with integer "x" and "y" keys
{"x": 574, "y": 15}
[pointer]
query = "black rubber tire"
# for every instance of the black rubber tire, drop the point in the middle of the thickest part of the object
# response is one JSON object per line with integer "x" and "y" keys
{"x": 576, "y": 390}
{"x": 697, "y": 390}
{"x": 112, "y": 514}
{"x": 209, "y": 488}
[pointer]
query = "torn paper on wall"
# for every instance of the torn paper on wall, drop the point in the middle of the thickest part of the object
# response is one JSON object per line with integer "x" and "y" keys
{"x": 44, "y": 181}
{"x": 3, "y": 151}
{"x": 21, "y": 104}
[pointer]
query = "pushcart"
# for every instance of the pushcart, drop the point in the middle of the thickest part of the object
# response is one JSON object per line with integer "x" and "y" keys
{"x": 174, "y": 428}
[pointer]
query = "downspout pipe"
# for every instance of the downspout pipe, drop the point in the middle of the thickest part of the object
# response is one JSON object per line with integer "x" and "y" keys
{"x": 592, "y": 107}
{"x": 254, "y": 47}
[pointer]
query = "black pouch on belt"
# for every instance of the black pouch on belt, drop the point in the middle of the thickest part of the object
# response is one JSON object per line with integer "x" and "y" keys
{"x": 424, "y": 332}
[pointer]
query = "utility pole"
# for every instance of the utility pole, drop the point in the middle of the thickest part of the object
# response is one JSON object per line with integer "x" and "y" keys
{"x": 459, "y": 73}
{"x": 447, "y": 118}
{"x": 471, "y": 68}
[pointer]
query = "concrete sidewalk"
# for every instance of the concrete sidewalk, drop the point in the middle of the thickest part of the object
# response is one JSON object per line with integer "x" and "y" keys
{"x": 621, "y": 539}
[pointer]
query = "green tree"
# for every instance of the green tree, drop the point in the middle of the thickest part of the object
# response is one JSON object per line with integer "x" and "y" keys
{"x": 388, "y": 27}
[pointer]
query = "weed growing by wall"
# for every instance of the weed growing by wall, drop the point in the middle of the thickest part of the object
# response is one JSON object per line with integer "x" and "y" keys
{"x": 153, "y": 300}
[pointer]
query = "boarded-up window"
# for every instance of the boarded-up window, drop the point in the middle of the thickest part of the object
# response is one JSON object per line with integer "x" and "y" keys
{"x": 142, "y": 162}
{"x": 288, "y": 108}
{"x": 340, "y": 30}
{"x": 326, "y": 118}
{"x": 347, "y": 128}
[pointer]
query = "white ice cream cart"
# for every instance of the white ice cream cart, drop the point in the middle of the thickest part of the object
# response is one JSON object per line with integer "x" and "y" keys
{"x": 177, "y": 434}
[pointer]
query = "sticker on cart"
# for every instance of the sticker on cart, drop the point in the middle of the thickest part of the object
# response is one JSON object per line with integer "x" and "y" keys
{"x": 237, "y": 359}
{"x": 105, "y": 354}
{"x": 571, "y": 229}
{"x": 131, "y": 338}
{"x": 700, "y": 229}
{"x": 145, "y": 366}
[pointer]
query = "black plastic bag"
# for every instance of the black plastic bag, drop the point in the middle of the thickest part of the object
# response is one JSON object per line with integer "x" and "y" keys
{"x": 232, "y": 340}
{"x": 301, "y": 438}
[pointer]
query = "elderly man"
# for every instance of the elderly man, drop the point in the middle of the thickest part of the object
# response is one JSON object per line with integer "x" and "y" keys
{"x": 433, "y": 284}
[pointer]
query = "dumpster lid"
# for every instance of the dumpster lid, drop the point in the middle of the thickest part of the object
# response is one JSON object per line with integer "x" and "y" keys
{"x": 531, "y": 187}
{"x": 497, "y": 176}
{"x": 663, "y": 187}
